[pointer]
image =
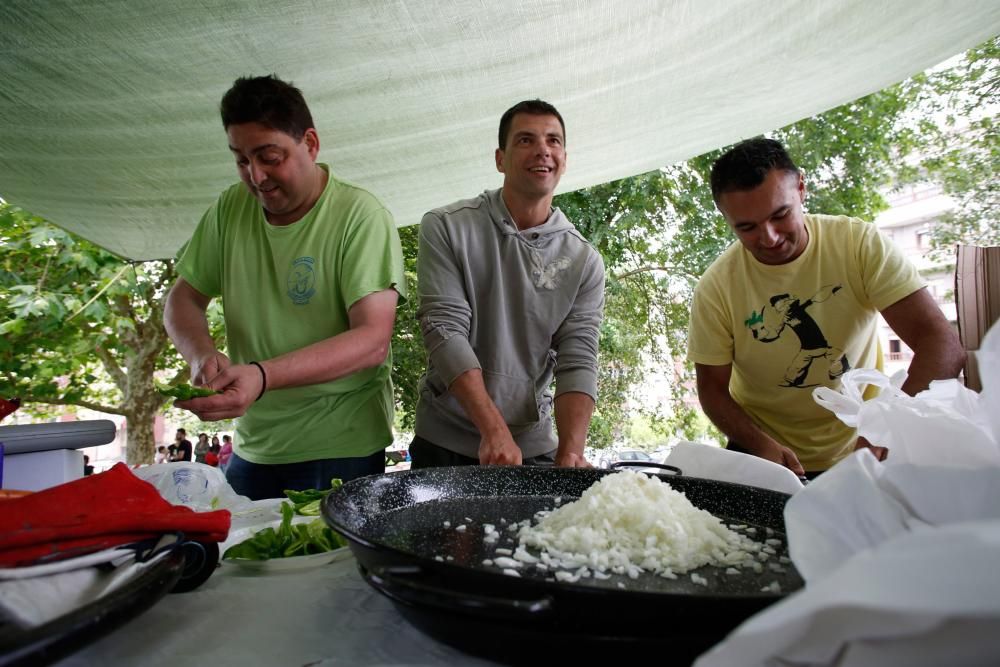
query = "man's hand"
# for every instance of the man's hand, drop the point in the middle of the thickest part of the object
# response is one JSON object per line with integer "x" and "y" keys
{"x": 240, "y": 386}
{"x": 205, "y": 369}
{"x": 573, "y": 412}
{"x": 499, "y": 449}
{"x": 734, "y": 422}
{"x": 781, "y": 455}
{"x": 880, "y": 453}
{"x": 572, "y": 460}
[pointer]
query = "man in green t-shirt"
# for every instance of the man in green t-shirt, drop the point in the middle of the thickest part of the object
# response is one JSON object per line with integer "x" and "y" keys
{"x": 794, "y": 305}
{"x": 310, "y": 271}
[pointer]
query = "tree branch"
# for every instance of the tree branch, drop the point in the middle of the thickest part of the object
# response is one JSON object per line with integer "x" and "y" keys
{"x": 90, "y": 405}
{"x": 45, "y": 271}
{"x": 644, "y": 269}
{"x": 112, "y": 367}
{"x": 99, "y": 293}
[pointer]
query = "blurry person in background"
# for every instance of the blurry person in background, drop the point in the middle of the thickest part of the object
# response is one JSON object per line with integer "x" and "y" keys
{"x": 183, "y": 446}
{"x": 201, "y": 448}
{"x": 225, "y": 452}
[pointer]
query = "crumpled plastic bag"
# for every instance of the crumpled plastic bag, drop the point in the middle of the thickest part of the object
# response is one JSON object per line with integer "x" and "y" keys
{"x": 196, "y": 485}
{"x": 925, "y": 597}
{"x": 947, "y": 424}
{"x": 861, "y": 503}
{"x": 900, "y": 558}
{"x": 200, "y": 487}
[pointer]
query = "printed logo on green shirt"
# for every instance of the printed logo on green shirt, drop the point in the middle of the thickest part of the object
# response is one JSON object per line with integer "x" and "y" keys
{"x": 301, "y": 281}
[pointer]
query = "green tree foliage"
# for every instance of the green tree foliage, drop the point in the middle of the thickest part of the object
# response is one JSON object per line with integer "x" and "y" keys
{"x": 80, "y": 327}
{"x": 963, "y": 153}
{"x": 408, "y": 356}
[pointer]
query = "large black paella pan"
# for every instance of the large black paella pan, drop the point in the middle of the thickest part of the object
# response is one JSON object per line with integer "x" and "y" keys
{"x": 419, "y": 539}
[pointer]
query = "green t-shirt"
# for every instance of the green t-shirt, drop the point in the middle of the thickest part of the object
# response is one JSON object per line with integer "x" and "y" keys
{"x": 286, "y": 287}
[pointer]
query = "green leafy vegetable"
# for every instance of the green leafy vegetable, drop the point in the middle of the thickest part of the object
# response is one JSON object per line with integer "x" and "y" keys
{"x": 307, "y": 502}
{"x": 183, "y": 392}
{"x": 288, "y": 540}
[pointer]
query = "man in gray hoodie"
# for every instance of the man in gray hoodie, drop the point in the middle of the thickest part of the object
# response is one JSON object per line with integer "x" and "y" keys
{"x": 511, "y": 295}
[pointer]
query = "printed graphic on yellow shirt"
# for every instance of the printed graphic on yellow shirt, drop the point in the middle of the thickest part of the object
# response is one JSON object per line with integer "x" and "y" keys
{"x": 788, "y": 312}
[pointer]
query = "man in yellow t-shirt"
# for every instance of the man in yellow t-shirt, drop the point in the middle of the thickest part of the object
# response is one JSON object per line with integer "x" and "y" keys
{"x": 793, "y": 305}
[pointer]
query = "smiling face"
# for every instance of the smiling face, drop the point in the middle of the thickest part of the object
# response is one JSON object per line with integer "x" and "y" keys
{"x": 280, "y": 172}
{"x": 534, "y": 158}
{"x": 768, "y": 219}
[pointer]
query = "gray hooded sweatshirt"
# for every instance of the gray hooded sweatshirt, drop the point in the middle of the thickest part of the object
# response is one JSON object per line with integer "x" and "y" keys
{"x": 523, "y": 307}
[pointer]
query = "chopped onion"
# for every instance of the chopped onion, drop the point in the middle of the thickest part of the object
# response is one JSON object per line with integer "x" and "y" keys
{"x": 628, "y": 523}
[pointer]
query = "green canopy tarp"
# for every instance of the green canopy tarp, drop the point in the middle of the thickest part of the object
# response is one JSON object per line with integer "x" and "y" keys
{"x": 109, "y": 108}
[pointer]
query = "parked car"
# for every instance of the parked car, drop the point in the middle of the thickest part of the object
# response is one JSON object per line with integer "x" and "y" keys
{"x": 632, "y": 455}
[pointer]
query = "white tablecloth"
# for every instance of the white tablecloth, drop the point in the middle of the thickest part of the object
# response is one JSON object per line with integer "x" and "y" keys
{"x": 325, "y": 615}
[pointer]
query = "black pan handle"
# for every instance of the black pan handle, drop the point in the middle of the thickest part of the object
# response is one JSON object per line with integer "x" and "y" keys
{"x": 647, "y": 464}
{"x": 399, "y": 583}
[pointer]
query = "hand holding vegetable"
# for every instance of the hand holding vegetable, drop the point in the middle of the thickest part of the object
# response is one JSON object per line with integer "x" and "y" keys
{"x": 238, "y": 386}
{"x": 183, "y": 392}
{"x": 208, "y": 367}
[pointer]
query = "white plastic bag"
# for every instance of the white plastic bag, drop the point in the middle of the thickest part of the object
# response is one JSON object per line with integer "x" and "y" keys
{"x": 899, "y": 557}
{"x": 196, "y": 485}
{"x": 947, "y": 424}
{"x": 203, "y": 488}
{"x": 860, "y": 503}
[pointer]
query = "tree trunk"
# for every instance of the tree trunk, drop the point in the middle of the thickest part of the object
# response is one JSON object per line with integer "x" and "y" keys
{"x": 142, "y": 401}
{"x": 140, "y": 419}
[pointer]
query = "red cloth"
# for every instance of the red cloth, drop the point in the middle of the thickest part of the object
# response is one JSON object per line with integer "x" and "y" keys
{"x": 8, "y": 406}
{"x": 211, "y": 458}
{"x": 96, "y": 512}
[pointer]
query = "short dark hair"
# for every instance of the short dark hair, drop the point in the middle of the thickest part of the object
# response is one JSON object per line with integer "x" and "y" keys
{"x": 180, "y": 430}
{"x": 269, "y": 101}
{"x": 227, "y": 438}
{"x": 746, "y": 165}
{"x": 533, "y": 107}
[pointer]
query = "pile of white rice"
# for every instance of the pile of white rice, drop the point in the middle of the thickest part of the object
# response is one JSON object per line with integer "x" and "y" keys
{"x": 627, "y": 523}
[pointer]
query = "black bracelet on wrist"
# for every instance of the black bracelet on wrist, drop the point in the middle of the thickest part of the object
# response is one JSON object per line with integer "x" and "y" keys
{"x": 263, "y": 380}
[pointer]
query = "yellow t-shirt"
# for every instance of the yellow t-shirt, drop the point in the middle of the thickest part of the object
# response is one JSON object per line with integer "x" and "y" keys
{"x": 788, "y": 328}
